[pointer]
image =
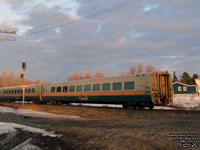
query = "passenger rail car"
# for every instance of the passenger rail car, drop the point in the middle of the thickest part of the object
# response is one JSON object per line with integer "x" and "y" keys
{"x": 143, "y": 90}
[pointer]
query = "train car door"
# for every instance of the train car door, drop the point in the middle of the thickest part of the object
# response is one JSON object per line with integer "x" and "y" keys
{"x": 161, "y": 88}
{"x": 164, "y": 88}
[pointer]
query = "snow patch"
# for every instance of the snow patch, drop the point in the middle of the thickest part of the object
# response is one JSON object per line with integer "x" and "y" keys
{"x": 26, "y": 146}
{"x": 188, "y": 102}
{"x": 11, "y": 127}
{"x": 97, "y": 105}
{"x": 163, "y": 108}
{"x": 33, "y": 113}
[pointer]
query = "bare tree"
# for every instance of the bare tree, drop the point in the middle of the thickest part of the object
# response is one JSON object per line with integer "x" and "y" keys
{"x": 109, "y": 74}
{"x": 140, "y": 68}
{"x": 149, "y": 68}
{"x": 98, "y": 74}
{"x": 9, "y": 79}
{"x": 132, "y": 69}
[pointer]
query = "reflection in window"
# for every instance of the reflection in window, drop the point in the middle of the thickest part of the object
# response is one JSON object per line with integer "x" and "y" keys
{"x": 185, "y": 88}
{"x": 33, "y": 90}
{"x": 87, "y": 87}
{"x": 65, "y": 88}
{"x": 129, "y": 85}
{"x": 117, "y": 86}
{"x": 58, "y": 89}
{"x": 71, "y": 88}
{"x": 96, "y": 87}
{"x": 53, "y": 89}
{"x": 179, "y": 88}
{"x": 106, "y": 86}
{"x": 79, "y": 88}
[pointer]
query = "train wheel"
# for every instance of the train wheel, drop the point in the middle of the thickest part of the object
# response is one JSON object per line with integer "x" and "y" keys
{"x": 53, "y": 102}
{"x": 141, "y": 107}
{"x": 59, "y": 103}
{"x": 125, "y": 106}
{"x": 151, "y": 106}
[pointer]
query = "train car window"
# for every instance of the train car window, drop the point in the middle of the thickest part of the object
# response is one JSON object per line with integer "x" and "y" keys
{"x": 65, "y": 88}
{"x": 53, "y": 89}
{"x": 71, "y": 88}
{"x": 87, "y": 87}
{"x": 79, "y": 88}
{"x": 21, "y": 91}
{"x": 26, "y": 90}
{"x": 18, "y": 91}
{"x": 58, "y": 89}
{"x": 106, "y": 87}
{"x": 33, "y": 90}
{"x": 96, "y": 87}
{"x": 15, "y": 91}
{"x": 117, "y": 86}
{"x": 29, "y": 90}
{"x": 129, "y": 85}
{"x": 12, "y": 91}
{"x": 9, "y": 91}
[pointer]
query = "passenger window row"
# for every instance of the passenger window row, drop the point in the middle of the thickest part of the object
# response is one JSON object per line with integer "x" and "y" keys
{"x": 18, "y": 91}
{"x": 96, "y": 87}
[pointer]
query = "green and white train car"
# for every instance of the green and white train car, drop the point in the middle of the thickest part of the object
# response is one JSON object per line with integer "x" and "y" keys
{"x": 143, "y": 90}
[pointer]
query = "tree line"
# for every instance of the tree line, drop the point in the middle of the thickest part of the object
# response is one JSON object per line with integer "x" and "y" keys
{"x": 186, "y": 78}
{"x": 8, "y": 78}
{"x": 133, "y": 69}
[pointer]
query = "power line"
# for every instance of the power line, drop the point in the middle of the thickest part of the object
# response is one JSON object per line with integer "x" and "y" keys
{"x": 84, "y": 11}
{"x": 81, "y": 11}
{"x": 53, "y": 12}
{"x": 34, "y": 5}
{"x": 46, "y": 13}
{"x": 118, "y": 6}
{"x": 87, "y": 10}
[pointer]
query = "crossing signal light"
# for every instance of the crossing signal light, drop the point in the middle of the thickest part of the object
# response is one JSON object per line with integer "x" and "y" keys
{"x": 24, "y": 65}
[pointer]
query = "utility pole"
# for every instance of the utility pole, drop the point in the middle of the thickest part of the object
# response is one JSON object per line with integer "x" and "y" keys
{"x": 23, "y": 76}
{"x": 7, "y": 32}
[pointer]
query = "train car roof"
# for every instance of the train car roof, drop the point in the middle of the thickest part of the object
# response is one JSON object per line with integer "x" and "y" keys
{"x": 85, "y": 80}
{"x": 8, "y": 87}
{"x": 104, "y": 78}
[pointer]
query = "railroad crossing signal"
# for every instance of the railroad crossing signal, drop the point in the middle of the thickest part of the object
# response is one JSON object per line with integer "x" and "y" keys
{"x": 23, "y": 80}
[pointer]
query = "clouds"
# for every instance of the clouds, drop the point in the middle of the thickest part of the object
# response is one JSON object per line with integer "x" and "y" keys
{"x": 162, "y": 33}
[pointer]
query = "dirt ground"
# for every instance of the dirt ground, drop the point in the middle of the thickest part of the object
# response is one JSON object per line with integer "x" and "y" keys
{"x": 120, "y": 129}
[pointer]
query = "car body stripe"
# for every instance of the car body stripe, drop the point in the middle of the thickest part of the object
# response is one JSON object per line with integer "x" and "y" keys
{"x": 99, "y": 93}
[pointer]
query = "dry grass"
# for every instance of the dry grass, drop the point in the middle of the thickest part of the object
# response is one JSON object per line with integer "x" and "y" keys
{"x": 121, "y": 129}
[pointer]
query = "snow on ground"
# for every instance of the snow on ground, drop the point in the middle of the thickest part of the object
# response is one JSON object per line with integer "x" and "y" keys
{"x": 33, "y": 113}
{"x": 188, "y": 102}
{"x": 10, "y": 130}
{"x": 163, "y": 108}
{"x": 11, "y": 127}
{"x": 26, "y": 146}
{"x": 97, "y": 105}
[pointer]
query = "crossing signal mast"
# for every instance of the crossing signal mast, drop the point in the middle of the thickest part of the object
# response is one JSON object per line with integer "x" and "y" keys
{"x": 23, "y": 77}
{"x": 7, "y": 32}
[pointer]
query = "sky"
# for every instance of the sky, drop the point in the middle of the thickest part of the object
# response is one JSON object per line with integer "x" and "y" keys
{"x": 56, "y": 38}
